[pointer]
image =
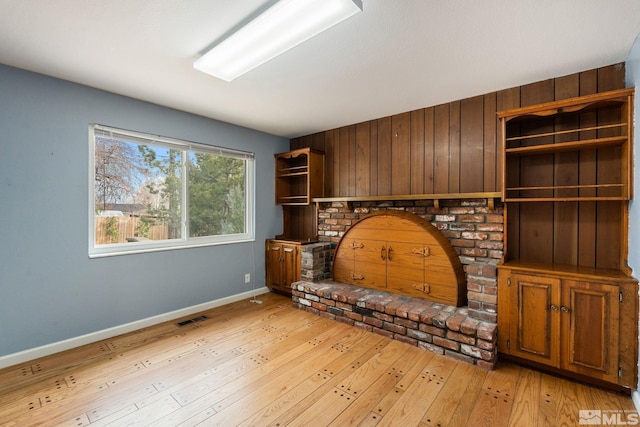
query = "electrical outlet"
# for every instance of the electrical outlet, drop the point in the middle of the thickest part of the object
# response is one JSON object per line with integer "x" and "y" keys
{"x": 247, "y": 278}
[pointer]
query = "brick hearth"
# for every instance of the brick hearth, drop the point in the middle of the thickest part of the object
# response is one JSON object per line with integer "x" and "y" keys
{"x": 435, "y": 327}
{"x": 465, "y": 333}
{"x": 475, "y": 231}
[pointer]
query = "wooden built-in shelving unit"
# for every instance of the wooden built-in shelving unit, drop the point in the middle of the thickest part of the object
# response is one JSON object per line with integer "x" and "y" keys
{"x": 299, "y": 177}
{"x": 566, "y": 295}
{"x": 549, "y": 148}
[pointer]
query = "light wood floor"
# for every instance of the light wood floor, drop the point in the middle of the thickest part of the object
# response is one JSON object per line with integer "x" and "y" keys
{"x": 270, "y": 364}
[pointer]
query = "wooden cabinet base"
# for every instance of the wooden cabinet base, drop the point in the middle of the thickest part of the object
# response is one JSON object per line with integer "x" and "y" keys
{"x": 579, "y": 322}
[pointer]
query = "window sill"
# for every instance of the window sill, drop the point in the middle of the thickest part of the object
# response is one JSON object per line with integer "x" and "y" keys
{"x": 133, "y": 248}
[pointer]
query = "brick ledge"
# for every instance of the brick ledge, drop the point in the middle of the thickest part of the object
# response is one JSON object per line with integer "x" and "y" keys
{"x": 436, "y": 327}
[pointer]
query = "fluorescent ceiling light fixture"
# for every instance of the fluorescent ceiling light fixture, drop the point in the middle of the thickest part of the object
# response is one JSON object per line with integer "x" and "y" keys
{"x": 281, "y": 27}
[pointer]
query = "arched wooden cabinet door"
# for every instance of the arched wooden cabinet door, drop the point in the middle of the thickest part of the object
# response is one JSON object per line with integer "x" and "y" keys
{"x": 402, "y": 253}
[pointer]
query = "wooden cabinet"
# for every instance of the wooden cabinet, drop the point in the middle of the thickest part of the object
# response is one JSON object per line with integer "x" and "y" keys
{"x": 583, "y": 323}
{"x": 399, "y": 252}
{"x": 566, "y": 298}
{"x": 282, "y": 264}
{"x": 299, "y": 177}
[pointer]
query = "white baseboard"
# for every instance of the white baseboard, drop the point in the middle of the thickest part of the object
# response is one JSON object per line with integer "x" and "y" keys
{"x": 46, "y": 350}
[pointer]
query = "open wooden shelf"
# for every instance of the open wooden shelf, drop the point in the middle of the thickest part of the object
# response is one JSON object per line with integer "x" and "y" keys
{"x": 560, "y": 147}
{"x": 299, "y": 177}
{"x": 490, "y": 196}
{"x": 570, "y": 105}
{"x": 557, "y": 197}
{"x": 578, "y": 143}
{"x": 567, "y": 131}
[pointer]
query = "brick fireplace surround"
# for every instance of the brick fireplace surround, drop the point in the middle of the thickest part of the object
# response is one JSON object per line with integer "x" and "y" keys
{"x": 466, "y": 333}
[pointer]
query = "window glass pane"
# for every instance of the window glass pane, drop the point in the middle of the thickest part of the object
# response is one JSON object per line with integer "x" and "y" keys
{"x": 138, "y": 191}
{"x": 151, "y": 193}
{"x": 217, "y": 195}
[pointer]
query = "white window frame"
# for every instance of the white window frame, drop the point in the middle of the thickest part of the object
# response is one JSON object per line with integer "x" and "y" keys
{"x": 97, "y": 251}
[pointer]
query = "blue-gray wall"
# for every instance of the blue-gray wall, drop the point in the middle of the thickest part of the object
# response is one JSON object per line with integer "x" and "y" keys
{"x": 633, "y": 80}
{"x": 49, "y": 289}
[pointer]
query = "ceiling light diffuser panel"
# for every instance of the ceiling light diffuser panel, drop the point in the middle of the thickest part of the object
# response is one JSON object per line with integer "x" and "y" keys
{"x": 281, "y": 27}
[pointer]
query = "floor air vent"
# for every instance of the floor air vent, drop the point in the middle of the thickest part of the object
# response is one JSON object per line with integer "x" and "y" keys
{"x": 194, "y": 320}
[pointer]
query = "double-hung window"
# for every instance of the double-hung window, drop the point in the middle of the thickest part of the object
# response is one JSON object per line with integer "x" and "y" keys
{"x": 149, "y": 193}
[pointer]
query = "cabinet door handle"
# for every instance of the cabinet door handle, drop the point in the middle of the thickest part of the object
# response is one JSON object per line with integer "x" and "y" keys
{"x": 554, "y": 307}
{"x": 389, "y": 252}
{"x": 564, "y": 309}
{"x": 383, "y": 253}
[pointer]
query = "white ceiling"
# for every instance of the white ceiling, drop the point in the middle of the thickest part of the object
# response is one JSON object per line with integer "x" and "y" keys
{"x": 395, "y": 56}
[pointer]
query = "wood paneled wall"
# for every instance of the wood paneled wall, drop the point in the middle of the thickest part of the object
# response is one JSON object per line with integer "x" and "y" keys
{"x": 448, "y": 148}
{"x": 454, "y": 148}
